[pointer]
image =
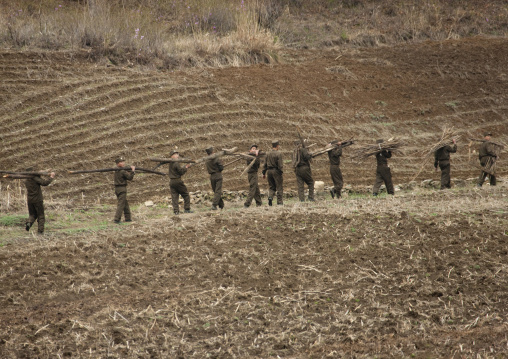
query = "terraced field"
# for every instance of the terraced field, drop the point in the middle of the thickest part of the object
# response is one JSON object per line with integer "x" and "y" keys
{"x": 60, "y": 111}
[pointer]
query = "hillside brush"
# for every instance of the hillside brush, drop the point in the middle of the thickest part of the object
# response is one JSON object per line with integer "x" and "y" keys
{"x": 366, "y": 151}
{"x": 328, "y": 148}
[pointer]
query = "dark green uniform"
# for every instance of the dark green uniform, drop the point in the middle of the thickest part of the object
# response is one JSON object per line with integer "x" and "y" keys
{"x": 383, "y": 173}
{"x": 301, "y": 161}
{"x": 252, "y": 174}
{"x": 35, "y": 201}
{"x": 121, "y": 178}
{"x": 214, "y": 168}
{"x": 177, "y": 187}
{"x": 334, "y": 157}
{"x": 442, "y": 158}
{"x": 487, "y": 155}
{"x": 273, "y": 170}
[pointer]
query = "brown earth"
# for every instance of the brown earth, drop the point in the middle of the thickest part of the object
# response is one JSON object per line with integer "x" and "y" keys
{"x": 61, "y": 111}
{"x": 419, "y": 275}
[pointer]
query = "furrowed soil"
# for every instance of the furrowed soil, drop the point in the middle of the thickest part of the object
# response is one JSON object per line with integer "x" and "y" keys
{"x": 422, "y": 274}
{"x": 419, "y": 275}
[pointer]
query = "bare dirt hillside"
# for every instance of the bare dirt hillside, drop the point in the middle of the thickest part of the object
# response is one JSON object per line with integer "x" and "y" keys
{"x": 61, "y": 111}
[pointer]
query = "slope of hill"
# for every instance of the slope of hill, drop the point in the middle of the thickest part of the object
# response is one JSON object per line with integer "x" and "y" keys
{"x": 60, "y": 111}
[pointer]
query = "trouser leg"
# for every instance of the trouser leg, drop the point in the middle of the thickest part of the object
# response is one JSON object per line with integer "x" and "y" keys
{"x": 445, "y": 175}
{"x": 279, "y": 187}
{"x": 216, "y": 182}
{"x": 300, "y": 182}
{"x": 41, "y": 218}
{"x": 122, "y": 198}
{"x": 174, "y": 198}
{"x": 254, "y": 192}
{"x": 32, "y": 214}
{"x": 272, "y": 186}
{"x": 336, "y": 179}
{"x": 387, "y": 178}
{"x": 378, "y": 183}
{"x": 493, "y": 180}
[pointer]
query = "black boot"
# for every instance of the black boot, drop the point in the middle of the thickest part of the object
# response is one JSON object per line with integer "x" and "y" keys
{"x": 270, "y": 201}
{"x": 332, "y": 192}
{"x": 188, "y": 211}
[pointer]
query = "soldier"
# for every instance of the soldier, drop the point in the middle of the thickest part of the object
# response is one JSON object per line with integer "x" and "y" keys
{"x": 253, "y": 178}
{"x": 121, "y": 178}
{"x": 334, "y": 157}
{"x": 214, "y": 167}
{"x": 273, "y": 170}
{"x": 35, "y": 201}
{"x": 442, "y": 158}
{"x": 487, "y": 156}
{"x": 176, "y": 185}
{"x": 301, "y": 163}
{"x": 383, "y": 173}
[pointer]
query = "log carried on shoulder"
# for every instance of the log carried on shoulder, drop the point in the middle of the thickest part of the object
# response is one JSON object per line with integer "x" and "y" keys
{"x": 126, "y": 168}
{"x": 253, "y": 160}
{"x": 170, "y": 160}
{"x": 329, "y": 148}
{"x": 25, "y": 173}
{"x": 224, "y": 152}
{"x": 17, "y": 176}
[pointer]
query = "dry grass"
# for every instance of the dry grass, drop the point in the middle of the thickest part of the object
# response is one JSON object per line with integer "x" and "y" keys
{"x": 416, "y": 275}
{"x": 167, "y": 35}
{"x": 219, "y": 33}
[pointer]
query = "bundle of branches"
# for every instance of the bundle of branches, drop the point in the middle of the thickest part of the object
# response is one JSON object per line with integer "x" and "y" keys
{"x": 126, "y": 168}
{"x": 366, "y": 151}
{"x": 447, "y": 137}
{"x": 329, "y": 148}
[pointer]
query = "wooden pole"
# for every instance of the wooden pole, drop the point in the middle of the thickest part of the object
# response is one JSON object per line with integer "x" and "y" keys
{"x": 170, "y": 160}
{"x": 17, "y": 176}
{"x": 25, "y": 173}
{"x": 117, "y": 169}
{"x": 328, "y": 149}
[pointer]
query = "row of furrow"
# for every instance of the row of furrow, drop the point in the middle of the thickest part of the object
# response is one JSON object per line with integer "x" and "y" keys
{"x": 92, "y": 93}
{"x": 136, "y": 116}
{"x": 195, "y": 127}
{"x": 67, "y": 117}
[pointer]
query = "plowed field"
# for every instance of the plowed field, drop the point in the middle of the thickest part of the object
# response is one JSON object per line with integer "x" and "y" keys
{"x": 422, "y": 274}
{"x": 60, "y": 111}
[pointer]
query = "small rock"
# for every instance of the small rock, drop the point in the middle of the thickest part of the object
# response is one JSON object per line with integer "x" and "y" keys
{"x": 149, "y": 204}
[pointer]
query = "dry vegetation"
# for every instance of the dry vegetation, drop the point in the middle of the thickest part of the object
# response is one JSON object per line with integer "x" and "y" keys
{"x": 419, "y": 275}
{"x": 198, "y": 33}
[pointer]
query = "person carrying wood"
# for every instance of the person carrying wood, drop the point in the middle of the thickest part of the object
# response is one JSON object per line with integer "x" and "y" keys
{"x": 301, "y": 163}
{"x": 252, "y": 173}
{"x": 214, "y": 167}
{"x": 334, "y": 157}
{"x": 176, "y": 185}
{"x": 442, "y": 158}
{"x": 120, "y": 179}
{"x": 273, "y": 171}
{"x": 487, "y": 156}
{"x": 383, "y": 173}
{"x": 35, "y": 200}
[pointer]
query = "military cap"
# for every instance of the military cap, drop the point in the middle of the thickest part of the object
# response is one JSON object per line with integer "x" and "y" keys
{"x": 209, "y": 150}
{"x": 173, "y": 152}
{"x": 253, "y": 145}
{"x": 275, "y": 143}
{"x": 119, "y": 159}
{"x": 29, "y": 169}
{"x": 380, "y": 141}
{"x": 487, "y": 134}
